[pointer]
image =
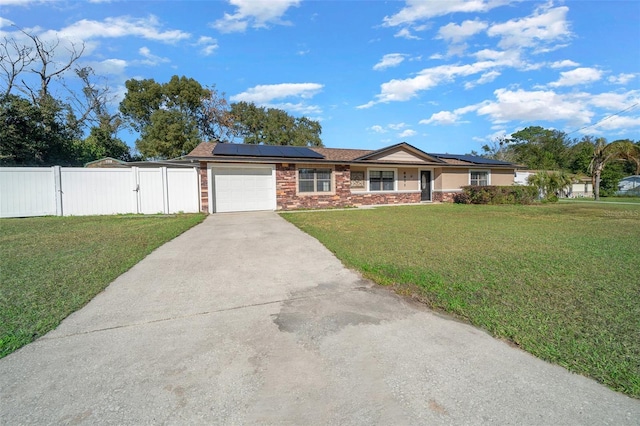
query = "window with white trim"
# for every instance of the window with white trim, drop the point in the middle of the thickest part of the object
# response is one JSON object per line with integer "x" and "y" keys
{"x": 314, "y": 180}
{"x": 381, "y": 180}
{"x": 479, "y": 178}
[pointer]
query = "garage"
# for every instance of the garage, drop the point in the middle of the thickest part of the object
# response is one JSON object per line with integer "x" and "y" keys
{"x": 242, "y": 188}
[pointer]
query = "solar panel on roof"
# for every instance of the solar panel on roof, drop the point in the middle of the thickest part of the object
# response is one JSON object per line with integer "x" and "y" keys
{"x": 246, "y": 150}
{"x": 472, "y": 159}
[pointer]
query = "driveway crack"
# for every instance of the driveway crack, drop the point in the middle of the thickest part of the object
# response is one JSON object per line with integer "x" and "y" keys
{"x": 197, "y": 314}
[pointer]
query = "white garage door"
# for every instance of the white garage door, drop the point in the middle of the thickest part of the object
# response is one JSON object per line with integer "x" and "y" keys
{"x": 243, "y": 188}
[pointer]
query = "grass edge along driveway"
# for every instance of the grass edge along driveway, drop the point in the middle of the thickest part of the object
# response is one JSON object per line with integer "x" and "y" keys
{"x": 561, "y": 281}
{"x": 52, "y": 266}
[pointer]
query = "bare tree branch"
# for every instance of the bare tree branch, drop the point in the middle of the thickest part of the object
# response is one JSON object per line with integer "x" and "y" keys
{"x": 14, "y": 58}
{"x": 45, "y": 56}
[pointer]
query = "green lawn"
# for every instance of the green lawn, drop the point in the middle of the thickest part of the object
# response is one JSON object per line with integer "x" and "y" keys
{"x": 561, "y": 281}
{"x": 635, "y": 200}
{"x": 52, "y": 266}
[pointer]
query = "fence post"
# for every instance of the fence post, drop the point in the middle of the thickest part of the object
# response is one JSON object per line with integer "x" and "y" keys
{"x": 165, "y": 190}
{"x": 136, "y": 189}
{"x": 57, "y": 182}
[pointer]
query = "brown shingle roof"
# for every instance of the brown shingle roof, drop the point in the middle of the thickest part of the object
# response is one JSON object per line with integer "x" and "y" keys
{"x": 341, "y": 154}
{"x": 338, "y": 155}
{"x": 204, "y": 149}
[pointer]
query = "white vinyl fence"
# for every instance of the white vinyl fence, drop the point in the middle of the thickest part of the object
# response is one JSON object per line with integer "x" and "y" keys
{"x": 71, "y": 191}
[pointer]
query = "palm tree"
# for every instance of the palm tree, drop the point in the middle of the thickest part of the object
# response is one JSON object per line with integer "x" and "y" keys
{"x": 631, "y": 152}
{"x": 549, "y": 184}
{"x": 603, "y": 153}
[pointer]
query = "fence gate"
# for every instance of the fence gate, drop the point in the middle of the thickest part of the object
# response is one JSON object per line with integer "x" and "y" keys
{"x": 71, "y": 191}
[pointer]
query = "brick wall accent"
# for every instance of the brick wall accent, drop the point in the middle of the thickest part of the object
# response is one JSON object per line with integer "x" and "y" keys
{"x": 444, "y": 197}
{"x": 369, "y": 198}
{"x": 204, "y": 188}
{"x": 288, "y": 199}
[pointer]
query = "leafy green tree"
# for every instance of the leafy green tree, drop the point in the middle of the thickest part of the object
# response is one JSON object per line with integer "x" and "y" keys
{"x": 35, "y": 133}
{"x": 580, "y": 155}
{"x": 99, "y": 144}
{"x": 169, "y": 135}
{"x": 610, "y": 178}
{"x": 172, "y": 118}
{"x": 271, "y": 126}
{"x": 540, "y": 148}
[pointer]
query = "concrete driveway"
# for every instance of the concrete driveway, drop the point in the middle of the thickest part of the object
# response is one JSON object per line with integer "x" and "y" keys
{"x": 246, "y": 320}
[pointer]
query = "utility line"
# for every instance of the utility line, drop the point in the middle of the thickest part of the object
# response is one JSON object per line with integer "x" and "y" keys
{"x": 606, "y": 118}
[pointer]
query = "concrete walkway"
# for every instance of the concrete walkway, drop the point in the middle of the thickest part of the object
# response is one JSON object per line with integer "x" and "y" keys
{"x": 246, "y": 320}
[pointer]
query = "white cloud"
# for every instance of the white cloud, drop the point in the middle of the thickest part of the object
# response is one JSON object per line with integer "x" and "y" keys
{"x": 618, "y": 122}
{"x": 397, "y": 126}
{"x": 151, "y": 59}
{"x": 109, "y": 66}
{"x": 443, "y": 118}
{"x": 262, "y": 94}
{"x": 545, "y": 26}
{"x": 447, "y": 118}
{"x": 418, "y": 10}
{"x": 405, "y": 33}
{"x": 621, "y": 78}
{"x": 123, "y": 26}
{"x": 389, "y": 60}
{"x": 298, "y": 108}
{"x": 5, "y": 22}
{"x": 454, "y": 33}
{"x": 407, "y": 133}
{"x": 521, "y": 105}
{"x": 577, "y": 76}
{"x": 257, "y": 14}
{"x": 394, "y": 127}
{"x": 403, "y": 90}
{"x": 508, "y": 58}
{"x": 485, "y": 78}
{"x": 209, "y": 45}
{"x": 613, "y": 101}
{"x": 564, "y": 64}
{"x": 18, "y": 2}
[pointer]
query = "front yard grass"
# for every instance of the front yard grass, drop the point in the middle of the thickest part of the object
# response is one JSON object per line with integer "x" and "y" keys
{"x": 560, "y": 281}
{"x": 52, "y": 266}
{"x": 617, "y": 199}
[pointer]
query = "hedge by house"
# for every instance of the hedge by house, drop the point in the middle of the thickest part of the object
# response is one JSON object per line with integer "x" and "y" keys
{"x": 474, "y": 194}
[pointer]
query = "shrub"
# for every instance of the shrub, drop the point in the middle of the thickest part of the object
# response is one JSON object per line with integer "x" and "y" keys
{"x": 496, "y": 195}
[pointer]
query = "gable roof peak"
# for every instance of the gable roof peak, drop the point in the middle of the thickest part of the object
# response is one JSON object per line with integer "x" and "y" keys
{"x": 402, "y": 145}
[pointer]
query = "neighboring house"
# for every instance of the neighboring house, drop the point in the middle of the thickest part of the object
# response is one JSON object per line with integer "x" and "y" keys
{"x": 581, "y": 189}
{"x": 629, "y": 186}
{"x": 237, "y": 177}
{"x": 107, "y": 162}
{"x": 522, "y": 176}
{"x": 581, "y": 186}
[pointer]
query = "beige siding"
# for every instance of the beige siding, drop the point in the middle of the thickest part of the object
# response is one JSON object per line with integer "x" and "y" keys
{"x": 408, "y": 179}
{"x": 502, "y": 177}
{"x": 399, "y": 155}
{"x": 454, "y": 178}
{"x": 437, "y": 179}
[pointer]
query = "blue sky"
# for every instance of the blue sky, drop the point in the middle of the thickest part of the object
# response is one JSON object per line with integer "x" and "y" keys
{"x": 444, "y": 76}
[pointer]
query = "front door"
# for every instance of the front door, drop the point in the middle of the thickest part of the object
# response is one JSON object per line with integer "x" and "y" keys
{"x": 425, "y": 185}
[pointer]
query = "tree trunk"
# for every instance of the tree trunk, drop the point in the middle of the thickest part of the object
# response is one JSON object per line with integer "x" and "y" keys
{"x": 596, "y": 184}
